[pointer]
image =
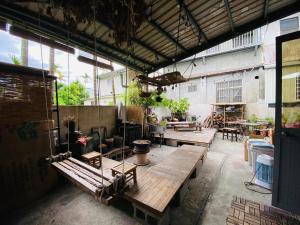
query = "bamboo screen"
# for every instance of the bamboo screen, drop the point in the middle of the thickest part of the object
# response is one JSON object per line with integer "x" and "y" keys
{"x": 22, "y": 98}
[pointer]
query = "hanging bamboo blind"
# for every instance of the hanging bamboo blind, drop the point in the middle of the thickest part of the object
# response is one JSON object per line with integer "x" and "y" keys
{"x": 22, "y": 95}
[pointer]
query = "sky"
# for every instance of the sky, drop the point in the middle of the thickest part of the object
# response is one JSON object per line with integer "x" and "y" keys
{"x": 11, "y": 46}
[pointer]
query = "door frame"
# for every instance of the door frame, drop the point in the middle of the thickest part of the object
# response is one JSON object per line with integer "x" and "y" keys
{"x": 278, "y": 111}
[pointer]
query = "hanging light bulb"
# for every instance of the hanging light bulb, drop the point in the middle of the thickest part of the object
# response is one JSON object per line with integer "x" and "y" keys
{"x": 172, "y": 87}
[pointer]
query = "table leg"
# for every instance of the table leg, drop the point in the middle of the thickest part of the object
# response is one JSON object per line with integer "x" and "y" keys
{"x": 134, "y": 177}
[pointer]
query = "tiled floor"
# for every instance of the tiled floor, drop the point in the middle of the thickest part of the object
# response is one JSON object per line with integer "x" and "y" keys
{"x": 246, "y": 212}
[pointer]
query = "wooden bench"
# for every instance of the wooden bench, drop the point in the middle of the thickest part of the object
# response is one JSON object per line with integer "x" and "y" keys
{"x": 162, "y": 183}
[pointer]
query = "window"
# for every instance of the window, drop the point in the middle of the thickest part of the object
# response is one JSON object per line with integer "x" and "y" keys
{"x": 298, "y": 88}
{"x": 229, "y": 91}
{"x": 289, "y": 25}
{"x": 192, "y": 88}
{"x": 109, "y": 83}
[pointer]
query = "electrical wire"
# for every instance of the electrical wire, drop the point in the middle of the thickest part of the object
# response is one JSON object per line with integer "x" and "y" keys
{"x": 250, "y": 183}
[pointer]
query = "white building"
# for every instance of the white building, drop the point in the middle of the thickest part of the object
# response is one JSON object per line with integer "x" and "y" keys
{"x": 239, "y": 70}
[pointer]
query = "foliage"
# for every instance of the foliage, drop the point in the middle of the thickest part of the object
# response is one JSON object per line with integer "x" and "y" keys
{"x": 179, "y": 107}
{"x": 15, "y": 60}
{"x": 253, "y": 118}
{"x": 73, "y": 94}
{"x": 133, "y": 96}
{"x": 163, "y": 123}
{"x": 59, "y": 74}
{"x": 270, "y": 120}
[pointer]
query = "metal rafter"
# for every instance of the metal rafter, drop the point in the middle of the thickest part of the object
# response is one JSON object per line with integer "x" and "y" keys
{"x": 266, "y": 4}
{"x": 139, "y": 42}
{"x": 192, "y": 19}
{"x": 272, "y": 16}
{"x": 166, "y": 34}
{"x": 229, "y": 15}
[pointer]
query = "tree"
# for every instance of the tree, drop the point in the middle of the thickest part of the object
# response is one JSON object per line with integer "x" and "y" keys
{"x": 15, "y": 60}
{"x": 51, "y": 61}
{"x": 73, "y": 94}
{"x": 85, "y": 77}
{"x": 24, "y": 52}
{"x": 95, "y": 82}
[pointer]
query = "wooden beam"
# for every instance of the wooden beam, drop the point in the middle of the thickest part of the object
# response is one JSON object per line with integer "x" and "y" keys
{"x": 229, "y": 15}
{"x": 95, "y": 63}
{"x": 20, "y": 32}
{"x": 192, "y": 19}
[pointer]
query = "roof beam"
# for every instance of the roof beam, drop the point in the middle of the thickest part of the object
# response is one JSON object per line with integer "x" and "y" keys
{"x": 59, "y": 32}
{"x": 192, "y": 19}
{"x": 166, "y": 34}
{"x": 266, "y": 4}
{"x": 272, "y": 16}
{"x": 229, "y": 15}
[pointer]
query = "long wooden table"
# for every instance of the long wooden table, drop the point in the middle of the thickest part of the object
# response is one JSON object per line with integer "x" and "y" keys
{"x": 203, "y": 138}
{"x": 157, "y": 186}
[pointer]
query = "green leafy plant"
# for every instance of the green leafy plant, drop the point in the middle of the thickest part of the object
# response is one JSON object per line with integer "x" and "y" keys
{"x": 73, "y": 94}
{"x": 253, "y": 118}
{"x": 180, "y": 107}
{"x": 163, "y": 123}
{"x": 270, "y": 120}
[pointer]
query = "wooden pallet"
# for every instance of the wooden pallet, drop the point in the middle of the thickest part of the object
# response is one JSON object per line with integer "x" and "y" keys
{"x": 100, "y": 184}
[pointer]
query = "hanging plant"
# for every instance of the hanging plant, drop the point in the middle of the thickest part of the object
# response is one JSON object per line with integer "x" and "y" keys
{"x": 123, "y": 16}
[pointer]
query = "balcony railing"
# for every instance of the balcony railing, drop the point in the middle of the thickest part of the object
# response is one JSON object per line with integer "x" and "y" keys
{"x": 246, "y": 40}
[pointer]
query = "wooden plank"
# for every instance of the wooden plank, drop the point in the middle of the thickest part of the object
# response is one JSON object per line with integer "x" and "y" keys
{"x": 106, "y": 174}
{"x": 78, "y": 181}
{"x": 204, "y": 137}
{"x": 159, "y": 184}
{"x": 82, "y": 175}
{"x": 87, "y": 173}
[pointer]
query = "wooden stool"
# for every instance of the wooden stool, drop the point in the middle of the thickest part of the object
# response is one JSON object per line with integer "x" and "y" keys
{"x": 92, "y": 158}
{"x": 155, "y": 134}
{"x": 129, "y": 171}
{"x": 232, "y": 131}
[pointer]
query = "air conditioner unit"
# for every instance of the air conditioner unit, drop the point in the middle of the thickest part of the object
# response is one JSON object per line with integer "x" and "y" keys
{"x": 264, "y": 171}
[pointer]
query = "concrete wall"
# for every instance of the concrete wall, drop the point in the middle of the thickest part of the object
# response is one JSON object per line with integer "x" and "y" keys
{"x": 89, "y": 116}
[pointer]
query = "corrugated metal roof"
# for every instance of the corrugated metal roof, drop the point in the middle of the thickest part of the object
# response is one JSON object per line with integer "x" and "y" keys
{"x": 160, "y": 41}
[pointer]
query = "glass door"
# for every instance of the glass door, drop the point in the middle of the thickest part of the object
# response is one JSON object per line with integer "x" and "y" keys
{"x": 286, "y": 185}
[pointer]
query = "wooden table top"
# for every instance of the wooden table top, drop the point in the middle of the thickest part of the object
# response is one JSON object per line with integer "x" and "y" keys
{"x": 205, "y": 136}
{"x": 91, "y": 155}
{"x": 157, "y": 186}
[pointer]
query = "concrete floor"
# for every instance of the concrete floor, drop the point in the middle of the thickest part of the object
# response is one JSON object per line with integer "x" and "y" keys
{"x": 206, "y": 203}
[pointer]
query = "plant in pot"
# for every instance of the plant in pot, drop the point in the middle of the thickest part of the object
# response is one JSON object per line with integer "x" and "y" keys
{"x": 178, "y": 108}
